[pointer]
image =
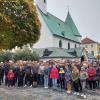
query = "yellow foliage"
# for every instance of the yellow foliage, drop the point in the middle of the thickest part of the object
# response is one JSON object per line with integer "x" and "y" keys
{"x": 98, "y": 57}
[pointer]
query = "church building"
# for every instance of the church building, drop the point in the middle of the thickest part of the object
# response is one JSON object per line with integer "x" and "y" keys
{"x": 59, "y": 39}
{"x": 55, "y": 32}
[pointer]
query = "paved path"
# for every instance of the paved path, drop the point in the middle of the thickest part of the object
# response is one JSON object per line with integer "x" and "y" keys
{"x": 42, "y": 94}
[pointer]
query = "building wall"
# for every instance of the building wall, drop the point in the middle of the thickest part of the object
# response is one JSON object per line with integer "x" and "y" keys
{"x": 46, "y": 37}
{"x": 91, "y": 47}
{"x": 64, "y": 42}
{"x": 98, "y": 48}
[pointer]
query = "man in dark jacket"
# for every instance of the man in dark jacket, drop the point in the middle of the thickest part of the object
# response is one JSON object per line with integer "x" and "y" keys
{"x": 27, "y": 69}
{"x": 6, "y": 68}
{"x": 1, "y": 73}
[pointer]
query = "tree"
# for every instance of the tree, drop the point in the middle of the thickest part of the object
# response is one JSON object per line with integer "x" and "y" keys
{"x": 25, "y": 55}
{"x": 19, "y": 23}
{"x": 21, "y": 55}
{"x": 98, "y": 57}
{"x": 5, "y": 56}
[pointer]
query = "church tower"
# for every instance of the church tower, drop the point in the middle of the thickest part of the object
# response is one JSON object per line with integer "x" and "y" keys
{"x": 42, "y": 4}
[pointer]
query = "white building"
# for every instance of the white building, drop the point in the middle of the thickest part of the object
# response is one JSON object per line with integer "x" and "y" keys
{"x": 55, "y": 32}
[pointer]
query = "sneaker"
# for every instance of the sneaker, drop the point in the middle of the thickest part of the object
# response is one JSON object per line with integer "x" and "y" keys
{"x": 30, "y": 85}
{"x": 77, "y": 94}
{"x": 25, "y": 85}
{"x": 46, "y": 87}
{"x": 84, "y": 96}
{"x": 68, "y": 92}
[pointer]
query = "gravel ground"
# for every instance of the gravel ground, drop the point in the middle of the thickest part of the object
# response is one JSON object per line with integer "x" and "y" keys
{"x": 40, "y": 93}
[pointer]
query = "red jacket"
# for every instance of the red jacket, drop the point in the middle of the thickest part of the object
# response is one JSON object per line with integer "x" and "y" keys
{"x": 54, "y": 73}
{"x": 91, "y": 73}
{"x": 10, "y": 75}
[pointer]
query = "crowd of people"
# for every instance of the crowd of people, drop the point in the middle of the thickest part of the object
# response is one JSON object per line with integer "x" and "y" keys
{"x": 72, "y": 76}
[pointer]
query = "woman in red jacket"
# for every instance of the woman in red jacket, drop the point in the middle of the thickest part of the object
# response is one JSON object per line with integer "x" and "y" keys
{"x": 91, "y": 77}
{"x": 54, "y": 75}
{"x": 10, "y": 77}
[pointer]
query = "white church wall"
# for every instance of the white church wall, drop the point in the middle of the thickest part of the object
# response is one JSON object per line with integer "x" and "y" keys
{"x": 64, "y": 42}
{"x": 56, "y": 42}
{"x": 46, "y": 37}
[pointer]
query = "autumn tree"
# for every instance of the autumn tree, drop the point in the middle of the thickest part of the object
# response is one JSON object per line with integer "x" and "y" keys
{"x": 98, "y": 57}
{"x": 19, "y": 23}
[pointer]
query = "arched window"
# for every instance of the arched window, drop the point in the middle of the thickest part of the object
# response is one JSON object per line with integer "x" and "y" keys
{"x": 75, "y": 46}
{"x": 60, "y": 44}
{"x": 68, "y": 45}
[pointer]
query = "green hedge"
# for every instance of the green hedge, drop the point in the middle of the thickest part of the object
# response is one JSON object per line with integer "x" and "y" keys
{"x": 22, "y": 55}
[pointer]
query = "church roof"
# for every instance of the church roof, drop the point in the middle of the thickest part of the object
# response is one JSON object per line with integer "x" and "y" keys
{"x": 55, "y": 53}
{"x": 60, "y": 52}
{"x": 75, "y": 51}
{"x": 69, "y": 21}
{"x": 65, "y": 29}
{"x": 88, "y": 41}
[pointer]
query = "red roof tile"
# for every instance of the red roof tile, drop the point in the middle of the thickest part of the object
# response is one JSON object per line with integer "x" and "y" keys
{"x": 87, "y": 41}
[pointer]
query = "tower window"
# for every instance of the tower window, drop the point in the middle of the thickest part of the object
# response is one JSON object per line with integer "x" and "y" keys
{"x": 44, "y": 1}
{"x": 68, "y": 45}
{"x": 60, "y": 44}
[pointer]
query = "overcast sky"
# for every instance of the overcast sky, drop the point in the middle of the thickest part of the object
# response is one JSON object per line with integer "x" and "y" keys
{"x": 85, "y": 13}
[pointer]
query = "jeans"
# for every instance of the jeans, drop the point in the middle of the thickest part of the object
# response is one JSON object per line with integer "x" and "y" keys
{"x": 83, "y": 83}
{"x": 54, "y": 82}
{"x": 92, "y": 84}
{"x": 77, "y": 86}
{"x": 62, "y": 83}
{"x": 41, "y": 79}
{"x": 69, "y": 86}
{"x": 46, "y": 81}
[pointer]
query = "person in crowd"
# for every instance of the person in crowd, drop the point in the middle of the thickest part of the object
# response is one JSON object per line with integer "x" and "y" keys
{"x": 68, "y": 79}
{"x": 41, "y": 73}
{"x": 83, "y": 78}
{"x": 6, "y": 68}
{"x": 91, "y": 77}
{"x": 20, "y": 75}
{"x": 1, "y": 73}
{"x": 27, "y": 69}
{"x": 14, "y": 67}
{"x": 76, "y": 80}
{"x": 35, "y": 69}
{"x": 54, "y": 75}
{"x": 98, "y": 76}
{"x": 46, "y": 75}
{"x": 49, "y": 70}
{"x": 10, "y": 77}
{"x": 62, "y": 77}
